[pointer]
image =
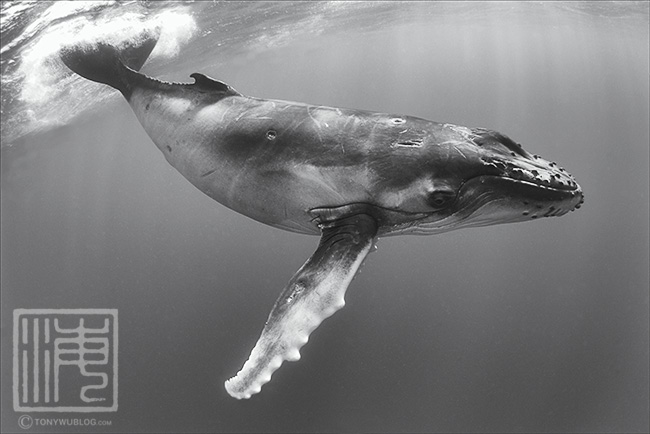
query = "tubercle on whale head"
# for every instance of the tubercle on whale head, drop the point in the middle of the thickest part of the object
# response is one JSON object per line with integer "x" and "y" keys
{"x": 514, "y": 162}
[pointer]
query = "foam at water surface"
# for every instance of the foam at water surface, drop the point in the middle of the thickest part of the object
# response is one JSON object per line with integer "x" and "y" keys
{"x": 39, "y": 82}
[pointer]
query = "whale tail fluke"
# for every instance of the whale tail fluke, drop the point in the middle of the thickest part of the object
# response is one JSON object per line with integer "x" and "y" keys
{"x": 107, "y": 64}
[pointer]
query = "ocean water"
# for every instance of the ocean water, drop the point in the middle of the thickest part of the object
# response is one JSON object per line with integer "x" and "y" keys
{"x": 531, "y": 327}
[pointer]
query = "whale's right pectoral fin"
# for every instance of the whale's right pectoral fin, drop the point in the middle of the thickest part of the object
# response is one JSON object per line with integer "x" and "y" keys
{"x": 314, "y": 293}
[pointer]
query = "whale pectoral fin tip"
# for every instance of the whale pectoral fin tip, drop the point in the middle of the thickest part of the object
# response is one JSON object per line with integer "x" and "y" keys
{"x": 313, "y": 294}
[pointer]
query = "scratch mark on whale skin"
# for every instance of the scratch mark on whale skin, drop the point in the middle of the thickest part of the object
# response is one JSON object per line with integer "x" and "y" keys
{"x": 317, "y": 123}
{"x": 460, "y": 152}
{"x": 411, "y": 143}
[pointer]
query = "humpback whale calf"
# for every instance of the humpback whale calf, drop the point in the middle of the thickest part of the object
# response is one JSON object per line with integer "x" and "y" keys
{"x": 348, "y": 176}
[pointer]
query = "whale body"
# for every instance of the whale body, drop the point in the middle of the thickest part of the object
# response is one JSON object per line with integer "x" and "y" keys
{"x": 346, "y": 175}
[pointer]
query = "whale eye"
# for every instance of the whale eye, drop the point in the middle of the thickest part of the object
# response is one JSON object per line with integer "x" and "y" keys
{"x": 441, "y": 198}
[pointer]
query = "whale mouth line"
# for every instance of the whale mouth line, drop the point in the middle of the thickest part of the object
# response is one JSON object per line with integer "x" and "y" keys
{"x": 526, "y": 192}
{"x": 517, "y": 187}
{"x": 541, "y": 184}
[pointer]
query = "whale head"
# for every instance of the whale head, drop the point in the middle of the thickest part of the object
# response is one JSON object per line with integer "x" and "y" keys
{"x": 469, "y": 178}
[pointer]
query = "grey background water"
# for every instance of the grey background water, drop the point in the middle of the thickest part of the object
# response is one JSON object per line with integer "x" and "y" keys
{"x": 535, "y": 327}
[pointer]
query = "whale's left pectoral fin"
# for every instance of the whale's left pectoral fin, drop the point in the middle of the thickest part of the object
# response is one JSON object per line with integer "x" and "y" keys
{"x": 314, "y": 293}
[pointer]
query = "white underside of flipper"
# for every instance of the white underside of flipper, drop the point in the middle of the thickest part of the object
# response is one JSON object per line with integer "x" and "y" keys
{"x": 314, "y": 293}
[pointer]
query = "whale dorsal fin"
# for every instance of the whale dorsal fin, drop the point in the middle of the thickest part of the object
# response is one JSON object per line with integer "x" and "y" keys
{"x": 207, "y": 84}
{"x": 314, "y": 293}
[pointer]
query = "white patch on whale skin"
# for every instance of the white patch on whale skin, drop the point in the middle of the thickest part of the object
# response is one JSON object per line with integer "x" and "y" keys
{"x": 177, "y": 106}
{"x": 410, "y": 198}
